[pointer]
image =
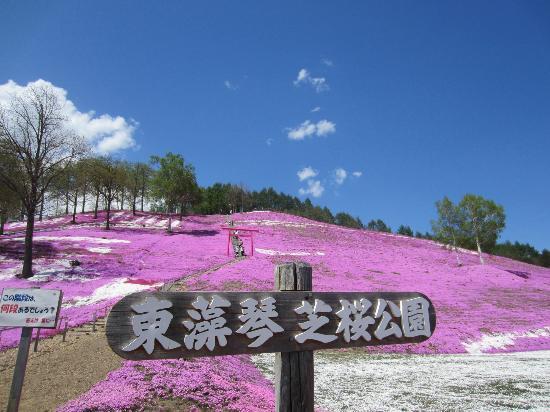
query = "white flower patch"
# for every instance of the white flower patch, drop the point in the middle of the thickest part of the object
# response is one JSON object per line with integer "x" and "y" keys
{"x": 100, "y": 250}
{"x": 279, "y": 253}
{"x": 73, "y": 239}
{"x": 115, "y": 289}
{"x": 8, "y": 273}
{"x": 54, "y": 271}
{"x": 279, "y": 223}
{"x": 54, "y": 221}
{"x": 15, "y": 225}
{"x": 501, "y": 340}
{"x": 358, "y": 381}
{"x": 162, "y": 223}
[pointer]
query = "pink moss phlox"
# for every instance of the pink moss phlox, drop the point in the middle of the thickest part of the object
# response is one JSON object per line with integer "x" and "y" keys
{"x": 228, "y": 383}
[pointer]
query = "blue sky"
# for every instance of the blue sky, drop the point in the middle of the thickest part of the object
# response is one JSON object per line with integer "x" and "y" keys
{"x": 424, "y": 99}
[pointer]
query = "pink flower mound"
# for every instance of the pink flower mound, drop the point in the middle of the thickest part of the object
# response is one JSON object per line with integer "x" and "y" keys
{"x": 228, "y": 383}
{"x": 137, "y": 254}
{"x": 500, "y": 306}
{"x": 471, "y": 301}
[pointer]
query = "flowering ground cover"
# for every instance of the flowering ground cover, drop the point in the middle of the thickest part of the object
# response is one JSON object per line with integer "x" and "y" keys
{"x": 136, "y": 254}
{"x": 221, "y": 383}
{"x": 503, "y": 305}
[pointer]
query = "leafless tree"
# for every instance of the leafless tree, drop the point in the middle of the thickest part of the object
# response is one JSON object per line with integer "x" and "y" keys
{"x": 38, "y": 146}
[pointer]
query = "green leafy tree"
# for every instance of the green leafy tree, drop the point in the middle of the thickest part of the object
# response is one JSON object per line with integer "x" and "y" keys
{"x": 214, "y": 199}
{"x": 139, "y": 177}
{"x": 448, "y": 228}
{"x": 482, "y": 221}
{"x": 518, "y": 251}
{"x": 405, "y": 231}
{"x": 378, "y": 225}
{"x": 345, "y": 219}
{"x": 544, "y": 259}
{"x": 174, "y": 183}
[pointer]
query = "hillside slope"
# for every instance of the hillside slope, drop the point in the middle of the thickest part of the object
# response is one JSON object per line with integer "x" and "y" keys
{"x": 501, "y": 306}
{"x": 473, "y": 302}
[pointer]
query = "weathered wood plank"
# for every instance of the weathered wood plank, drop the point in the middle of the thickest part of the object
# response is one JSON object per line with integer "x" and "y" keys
{"x": 282, "y": 380}
{"x": 120, "y": 333}
{"x": 306, "y": 380}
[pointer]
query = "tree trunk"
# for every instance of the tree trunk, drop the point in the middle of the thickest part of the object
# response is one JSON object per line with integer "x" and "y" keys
{"x": 67, "y": 202}
{"x": 479, "y": 251}
{"x": 27, "y": 258}
{"x": 2, "y": 222}
{"x": 96, "y": 204}
{"x": 181, "y": 211}
{"x": 170, "y": 224}
{"x": 134, "y": 206}
{"x": 108, "y": 224}
{"x": 41, "y": 210}
{"x": 458, "y": 262}
{"x": 83, "y": 198}
{"x": 142, "y": 197}
{"x": 122, "y": 201}
{"x": 75, "y": 205}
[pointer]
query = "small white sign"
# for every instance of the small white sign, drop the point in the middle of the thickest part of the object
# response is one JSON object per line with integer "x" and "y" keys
{"x": 32, "y": 308}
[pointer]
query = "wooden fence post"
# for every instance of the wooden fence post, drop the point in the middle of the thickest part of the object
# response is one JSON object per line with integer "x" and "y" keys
{"x": 65, "y": 330}
{"x": 293, "y": 370}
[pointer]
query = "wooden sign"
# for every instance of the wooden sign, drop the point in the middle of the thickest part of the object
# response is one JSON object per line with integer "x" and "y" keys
{"x": 34, "y": 308}
{"x": 28, "y": 309}
{"x": 156, "y": 325}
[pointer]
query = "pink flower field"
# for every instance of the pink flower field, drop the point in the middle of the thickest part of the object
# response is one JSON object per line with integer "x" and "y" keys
{"x": 501, "y": 306}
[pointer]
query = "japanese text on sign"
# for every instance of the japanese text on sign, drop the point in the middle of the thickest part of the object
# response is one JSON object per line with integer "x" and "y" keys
{"x": 37, "y": 308}
{"x": 209, "y": 322}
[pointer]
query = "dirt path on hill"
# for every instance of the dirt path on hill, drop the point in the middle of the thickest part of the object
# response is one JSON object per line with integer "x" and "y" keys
{"x": 61, "y": 371}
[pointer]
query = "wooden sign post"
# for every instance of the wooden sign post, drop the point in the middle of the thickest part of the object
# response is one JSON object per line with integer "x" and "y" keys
{"x": 292, "y": 321}
{"x": 28, "y": 309}
{"x": 294, "y": 370}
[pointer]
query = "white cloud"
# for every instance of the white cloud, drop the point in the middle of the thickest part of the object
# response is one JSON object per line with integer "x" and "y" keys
{"x": 306, "y": 173}
{"x": 327, "y": 62}
{"x": 314, "y": 188}
{"x": 304, "y": 130}
{"x": 340, "y": 176}
{"x": 315, "y": 109}
{"x": 325, "y": 127}
{"x": 269, "y": 141}
{"x": 230, "y": 86}
{"x": 357, "y": 174}
{"x": 318, "y": 83}
{"x": 308, "y": 129}
{"x": 106, "y": 133}
{"x": 303, "y": 75}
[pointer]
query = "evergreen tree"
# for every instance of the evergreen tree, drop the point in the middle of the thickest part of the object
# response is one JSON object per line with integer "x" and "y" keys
{"x": 378, "y": 225}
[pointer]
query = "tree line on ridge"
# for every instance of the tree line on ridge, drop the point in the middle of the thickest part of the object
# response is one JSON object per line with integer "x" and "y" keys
{"x": 46, "y": 170}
